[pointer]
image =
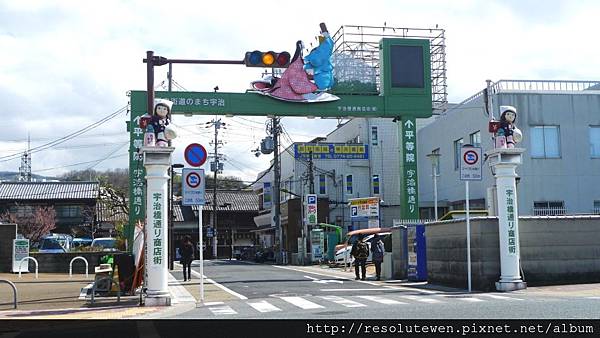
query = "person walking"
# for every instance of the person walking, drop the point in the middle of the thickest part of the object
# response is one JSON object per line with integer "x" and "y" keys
{"x": 187, "y": 256}
{"x": 360, "y": 252}
{"x": 377, "y": 250}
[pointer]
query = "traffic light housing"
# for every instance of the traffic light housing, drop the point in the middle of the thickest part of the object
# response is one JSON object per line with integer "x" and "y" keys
{"x": 268, "y": 59}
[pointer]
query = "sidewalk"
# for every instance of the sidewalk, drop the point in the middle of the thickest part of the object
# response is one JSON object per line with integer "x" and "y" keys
{"x": 58, "y": 296}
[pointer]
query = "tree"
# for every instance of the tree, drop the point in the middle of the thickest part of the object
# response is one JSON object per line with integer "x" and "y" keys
{"x": 225, "y": 182}
{"x": 35, "y": 225}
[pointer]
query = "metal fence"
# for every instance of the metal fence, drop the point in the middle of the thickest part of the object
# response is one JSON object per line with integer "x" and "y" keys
{"x": 549, "y": 211}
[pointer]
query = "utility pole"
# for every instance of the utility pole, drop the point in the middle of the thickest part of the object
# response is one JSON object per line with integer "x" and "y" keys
{"x": 215, "y": 169}
{"x": 276, "y": 189}
{"x": 311, "y": 176}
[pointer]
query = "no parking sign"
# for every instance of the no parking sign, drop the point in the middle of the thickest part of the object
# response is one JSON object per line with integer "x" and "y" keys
{"x": 193, "y": 186}
{"x": 470, "y": 164}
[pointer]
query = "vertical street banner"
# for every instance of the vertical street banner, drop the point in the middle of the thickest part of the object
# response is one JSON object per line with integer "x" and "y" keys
{"x": 311, "y": 209}
{"x": 267, "y": 196}
{"x": 409, "y": 208}
{"x": 155, "y": 244}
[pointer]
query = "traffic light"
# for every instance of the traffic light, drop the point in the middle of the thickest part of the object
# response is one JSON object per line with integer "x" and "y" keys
{"x": 267, "y": 59}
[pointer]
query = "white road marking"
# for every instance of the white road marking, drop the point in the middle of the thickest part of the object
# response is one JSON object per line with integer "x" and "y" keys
{"x": 499, "y": 297}
{"x": 388, "y": 287}
{"x": 324, "y": 281}
{"x": 422, "y": 299}
{"x": 371, "y": 289}
{"x": 231, "y": 292}
{"x": 213, "y": 303}
{"x": 342, "y": 301}
{"x": 302, "y": 303}
{"x": 593, "y": 297}
{"x": 471, "y": 300}
{"x": 264, "y": 306}
{"x": 178, "y": 292}
{"x": 382, "y": 300}
{"x": 222, "y": 310}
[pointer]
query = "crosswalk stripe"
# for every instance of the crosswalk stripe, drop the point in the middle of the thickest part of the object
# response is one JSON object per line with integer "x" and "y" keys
{"x": 593, "y": 297}
{"x": 471, "y": 300}
{"x": 382, "y": 300}
{"x": 422, "y": 299}
{"x": 264, "y": 306}
{"x": 342, "y": 301}
{"x": 500, "y": 297}
{"x": 222, "y": 310}
{"x": 302, "y": 303}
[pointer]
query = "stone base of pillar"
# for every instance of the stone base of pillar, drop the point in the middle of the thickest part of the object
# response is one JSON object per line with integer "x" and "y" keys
{"x": 160, "y": 299}
{"x": 510, "y": 286}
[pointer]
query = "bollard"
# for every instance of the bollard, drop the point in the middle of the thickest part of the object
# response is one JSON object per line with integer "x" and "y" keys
{"x": 14, "y": 287}
{"x": 71, "y": 266}
{"x": 36, "y": 265}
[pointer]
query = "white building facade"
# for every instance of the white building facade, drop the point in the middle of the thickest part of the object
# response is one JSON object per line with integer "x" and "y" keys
{"x": 560, "y": 173}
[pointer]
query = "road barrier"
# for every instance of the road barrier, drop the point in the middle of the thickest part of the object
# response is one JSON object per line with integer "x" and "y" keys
{"x": 71, "y": 266}
{"x": 13, "y": 286}
{"x": 27, "y": 258}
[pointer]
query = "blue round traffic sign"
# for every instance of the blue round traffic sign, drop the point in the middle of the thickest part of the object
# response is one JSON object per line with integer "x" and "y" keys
{"x": 195, "y": 155}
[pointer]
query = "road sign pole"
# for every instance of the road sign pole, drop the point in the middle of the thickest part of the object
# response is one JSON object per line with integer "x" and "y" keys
{"x": 201, "y": 254}
{"x": 468, "y": 236}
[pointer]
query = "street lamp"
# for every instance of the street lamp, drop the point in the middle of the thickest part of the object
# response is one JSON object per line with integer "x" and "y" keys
{"x": 435, "y": 158}
{"x": 170, "y": 230}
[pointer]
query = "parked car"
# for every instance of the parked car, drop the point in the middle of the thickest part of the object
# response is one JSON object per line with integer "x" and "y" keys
{"x": 81, "y": 242}
{"x": 56, "y": 243}
{"x": 343, "y": 254}
{"x": 107, "y": 243}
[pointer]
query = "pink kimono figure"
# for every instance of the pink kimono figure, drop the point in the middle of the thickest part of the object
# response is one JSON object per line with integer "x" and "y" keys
{"x": 508, "y": 134}
{"x": 294, "y": 82}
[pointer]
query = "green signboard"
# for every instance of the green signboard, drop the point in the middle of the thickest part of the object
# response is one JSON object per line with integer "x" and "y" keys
{"x": 405, "y": 94}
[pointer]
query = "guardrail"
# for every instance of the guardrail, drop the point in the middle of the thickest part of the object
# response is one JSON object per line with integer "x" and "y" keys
{"x": 71, "y": 266}
{"x": 28, "y": 258}
{"x": 14, "y": 287}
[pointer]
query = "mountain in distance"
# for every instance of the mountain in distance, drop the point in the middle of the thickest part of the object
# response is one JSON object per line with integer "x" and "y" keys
{"x": 11, "y": 176}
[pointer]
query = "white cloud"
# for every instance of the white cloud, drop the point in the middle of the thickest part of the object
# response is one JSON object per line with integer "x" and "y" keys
{"x": 66, "y": 64}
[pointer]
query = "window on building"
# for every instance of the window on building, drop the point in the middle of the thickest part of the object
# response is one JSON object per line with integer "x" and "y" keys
{"x": 322, "y": 184}
{"x": 349, "y": 188}
{"x": 545, "y": 142}
{"x": 595, "y": 141}
{"x": 21, "y": 211}
{"x": 68, "y": 211}
{"x": 596, "y": 207}
{"x": 375, "y": 184}
{"x": 374, "y": 136}
{"x": 549, "y": 208}
{"x": 475, "y": 139}
{"x": 457, "y": 146}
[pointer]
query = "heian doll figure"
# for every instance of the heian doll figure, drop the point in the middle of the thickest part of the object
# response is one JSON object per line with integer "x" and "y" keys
{"x": 159, "y": 124}
{"x": 508, "y": 134}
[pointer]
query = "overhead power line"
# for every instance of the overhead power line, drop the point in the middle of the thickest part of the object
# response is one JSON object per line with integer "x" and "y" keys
{"x": 67, "y": 137}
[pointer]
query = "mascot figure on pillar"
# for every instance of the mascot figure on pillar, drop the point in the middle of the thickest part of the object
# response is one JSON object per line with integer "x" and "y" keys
{"x": 507, "y": 134}
{"x": 158, "y": 130}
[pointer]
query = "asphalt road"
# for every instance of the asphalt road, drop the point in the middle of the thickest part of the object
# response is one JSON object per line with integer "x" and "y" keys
{"x": 275, "y": 292}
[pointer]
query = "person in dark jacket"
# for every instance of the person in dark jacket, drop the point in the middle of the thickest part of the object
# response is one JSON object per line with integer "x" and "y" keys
{"x": 360, "y": 252}
{"x": 187, "y": 255}
{"x": 377, "y": 250}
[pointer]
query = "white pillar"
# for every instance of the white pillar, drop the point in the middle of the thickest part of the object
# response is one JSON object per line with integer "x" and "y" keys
{"x": 157, "y": 161}
{"x": 504, "y": 163}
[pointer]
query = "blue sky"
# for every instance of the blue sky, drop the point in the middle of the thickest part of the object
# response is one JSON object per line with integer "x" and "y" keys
{"x": 66, "y": 64}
